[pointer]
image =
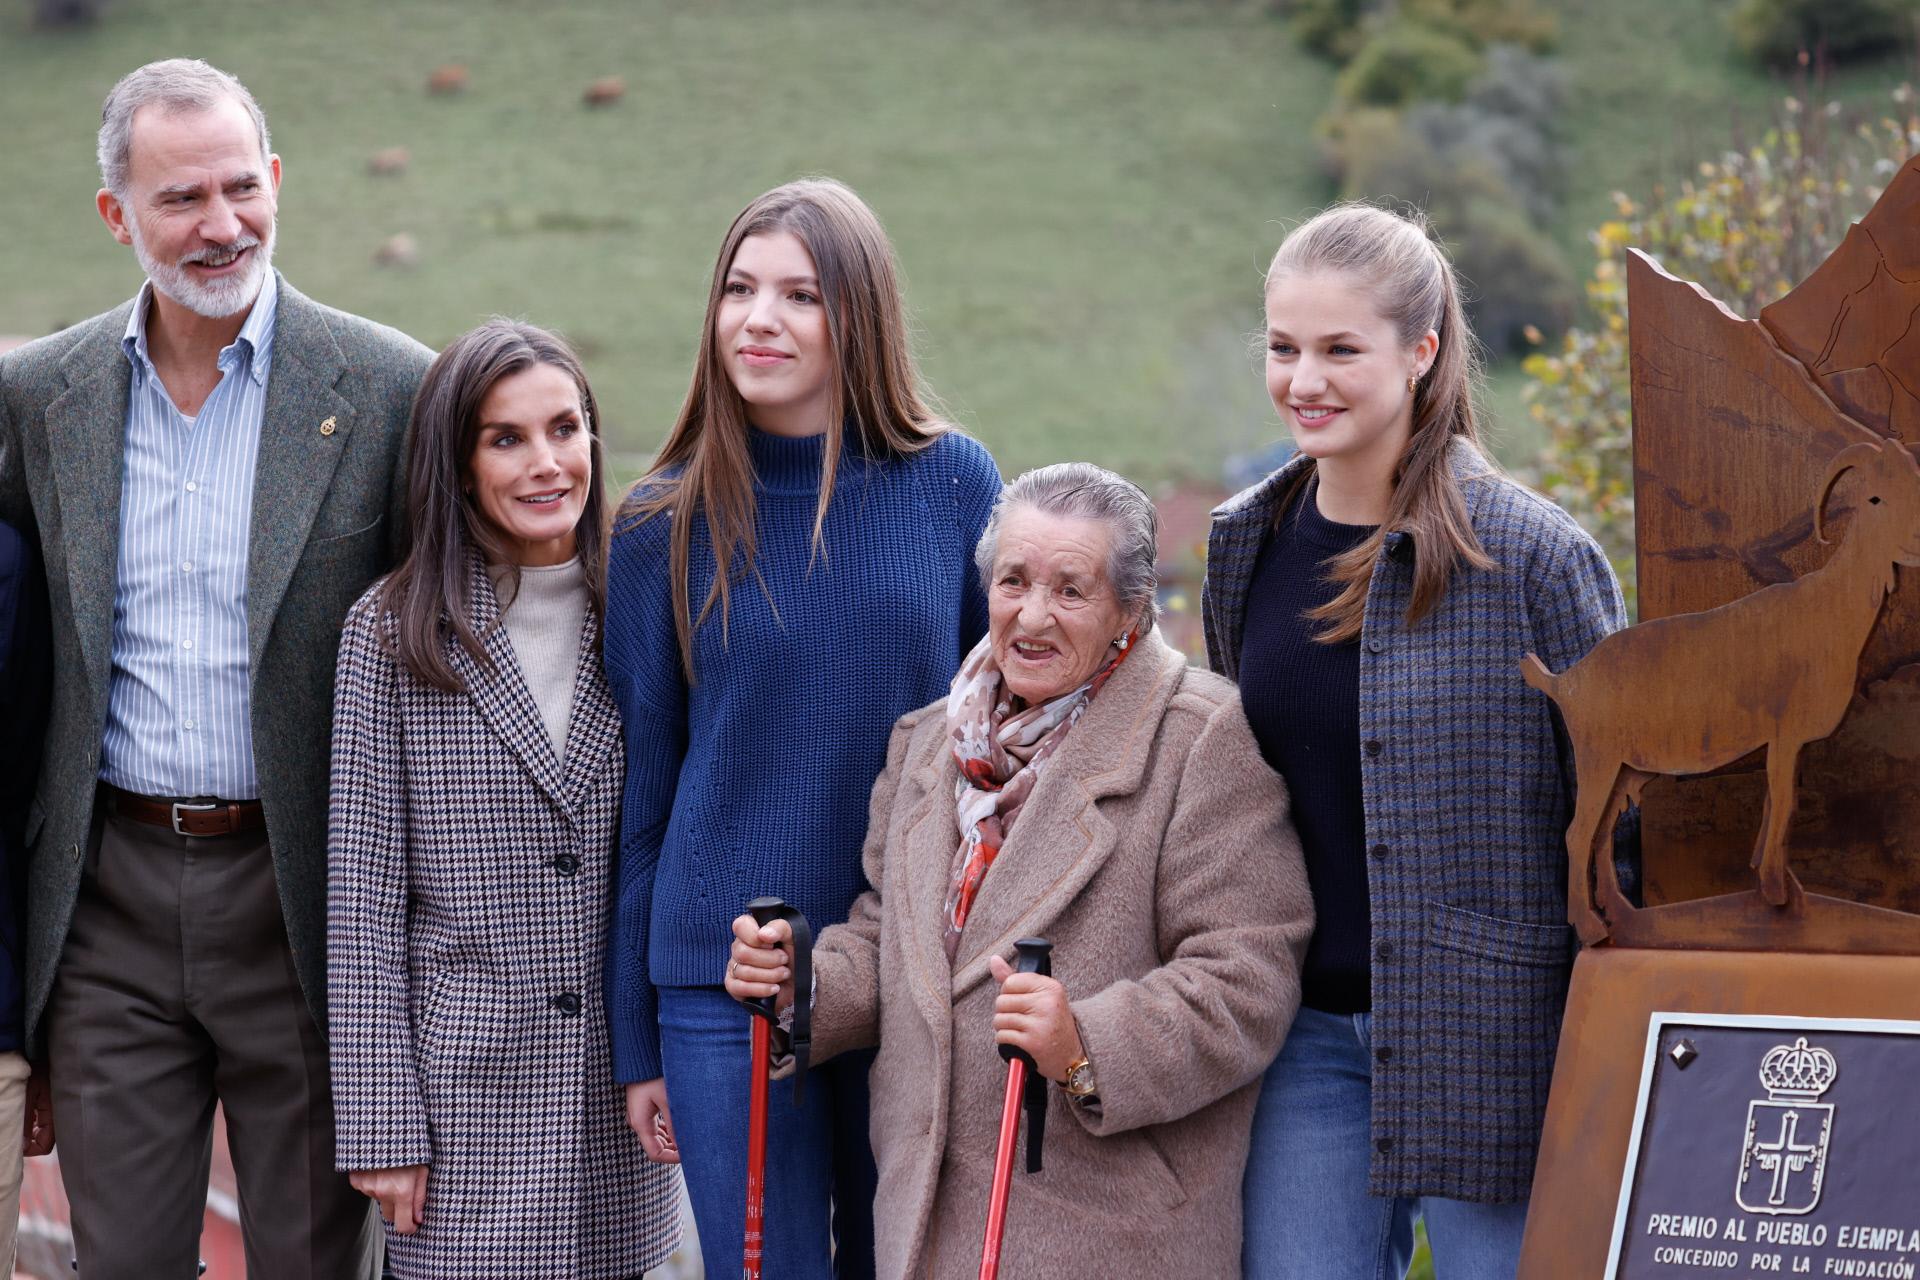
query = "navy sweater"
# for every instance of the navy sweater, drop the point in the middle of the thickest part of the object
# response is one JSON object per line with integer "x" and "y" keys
{"x": 755, "y": 778}
{"x": 1302, "y": 699}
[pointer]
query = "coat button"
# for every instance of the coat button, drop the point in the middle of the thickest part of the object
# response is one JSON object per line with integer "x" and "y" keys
{"x": 1373, "y": 746}
{"x": 1376, "y": 645}
{"x": 566, "y": 864}
{"x": 1383, "y": 1054}
{"x": 1378, "y": 851}
{"x": 1383, "y": 952}
{"x": 1383, "y": 1145}
{"x": 567, "y": 1003}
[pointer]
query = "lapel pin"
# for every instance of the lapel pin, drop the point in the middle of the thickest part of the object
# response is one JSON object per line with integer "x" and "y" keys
{"x": 327, "y": 427}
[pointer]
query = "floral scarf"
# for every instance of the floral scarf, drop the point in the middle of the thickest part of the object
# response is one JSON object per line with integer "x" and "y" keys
{"x": 1000, "y": 751}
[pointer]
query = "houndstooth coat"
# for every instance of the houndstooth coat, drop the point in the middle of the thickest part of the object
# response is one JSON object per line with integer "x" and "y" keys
{"x": 466, "y": 918}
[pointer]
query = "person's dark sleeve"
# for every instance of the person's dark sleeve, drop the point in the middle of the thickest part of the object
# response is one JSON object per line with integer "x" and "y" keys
{"x": 25, "y": 682}
{"x": 25, "y": 685}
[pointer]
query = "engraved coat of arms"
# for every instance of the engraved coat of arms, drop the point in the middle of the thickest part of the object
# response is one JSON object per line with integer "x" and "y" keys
{"x": 1784, "y": 1160}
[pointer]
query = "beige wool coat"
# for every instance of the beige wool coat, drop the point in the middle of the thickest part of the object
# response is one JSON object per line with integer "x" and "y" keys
{"x": 1157, "y": 856}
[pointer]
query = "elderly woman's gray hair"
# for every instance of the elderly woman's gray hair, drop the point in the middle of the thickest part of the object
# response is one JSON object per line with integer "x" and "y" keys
{"x": 172, "y": 85}
{"x": 1087, "y": 492}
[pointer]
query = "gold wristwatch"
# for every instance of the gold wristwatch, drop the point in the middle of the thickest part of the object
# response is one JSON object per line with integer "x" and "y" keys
{"x": 1079, "y": 1081}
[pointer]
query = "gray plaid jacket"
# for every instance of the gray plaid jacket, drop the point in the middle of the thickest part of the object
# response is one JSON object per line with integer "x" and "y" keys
{"x": 1468, "y": 790}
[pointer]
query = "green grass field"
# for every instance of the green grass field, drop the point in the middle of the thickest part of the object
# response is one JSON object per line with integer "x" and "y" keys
{"x": 1082, "y": 192}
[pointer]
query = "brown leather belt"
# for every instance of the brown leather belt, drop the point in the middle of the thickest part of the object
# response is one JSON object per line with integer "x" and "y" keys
{"x": 202, "y": 818}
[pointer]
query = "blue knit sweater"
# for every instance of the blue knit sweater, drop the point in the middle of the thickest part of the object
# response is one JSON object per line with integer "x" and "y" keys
{"x": 755, "y": 779}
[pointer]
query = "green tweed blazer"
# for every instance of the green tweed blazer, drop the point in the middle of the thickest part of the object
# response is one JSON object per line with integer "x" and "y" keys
{"x": 328, "y": 518}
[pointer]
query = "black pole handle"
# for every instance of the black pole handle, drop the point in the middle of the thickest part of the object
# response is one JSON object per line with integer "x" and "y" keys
{"x": 764, "y": 912}
{"x": 1032, "y": 955}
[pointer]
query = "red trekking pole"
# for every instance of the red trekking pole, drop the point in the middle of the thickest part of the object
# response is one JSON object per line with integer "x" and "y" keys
{"x": 765, "y": 911}
{"x": 1025, "y": 1089}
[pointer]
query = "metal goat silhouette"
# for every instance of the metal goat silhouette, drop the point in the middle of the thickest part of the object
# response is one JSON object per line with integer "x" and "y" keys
{"x": 1695, "y": 692}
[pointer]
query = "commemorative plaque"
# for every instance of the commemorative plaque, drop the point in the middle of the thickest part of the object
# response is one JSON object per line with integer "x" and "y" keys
{"x": 1771, "y": 1146}
{"x": 1734, "y": 1094}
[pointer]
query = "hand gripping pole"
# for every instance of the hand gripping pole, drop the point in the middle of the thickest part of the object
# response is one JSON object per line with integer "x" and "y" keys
{"x": 800, "y": 1038}
{"x": 763, "y": 1008}
{"x": 1026, "y": 1090}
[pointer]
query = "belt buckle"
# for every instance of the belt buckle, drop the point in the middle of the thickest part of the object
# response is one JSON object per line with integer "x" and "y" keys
{"x": 191, "y": 808}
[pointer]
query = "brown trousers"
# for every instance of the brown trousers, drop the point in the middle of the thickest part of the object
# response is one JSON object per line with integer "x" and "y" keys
{"x": 177, "y": 989}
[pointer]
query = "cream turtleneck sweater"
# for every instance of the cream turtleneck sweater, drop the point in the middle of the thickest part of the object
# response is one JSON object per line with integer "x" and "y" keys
{"x": 543, "y": 621}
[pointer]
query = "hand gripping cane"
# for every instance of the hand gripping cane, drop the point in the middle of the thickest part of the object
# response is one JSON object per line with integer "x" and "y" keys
{"x": 765, "y": 911}
{"x": 1025, "y": 1087}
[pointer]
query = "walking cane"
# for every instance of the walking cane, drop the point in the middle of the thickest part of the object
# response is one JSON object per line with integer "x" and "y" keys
{"x": 765, "y": 911}
{"x": 1025, "y": 1087}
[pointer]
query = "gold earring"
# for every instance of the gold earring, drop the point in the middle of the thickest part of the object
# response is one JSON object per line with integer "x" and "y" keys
{"x": 1413, "y": 383}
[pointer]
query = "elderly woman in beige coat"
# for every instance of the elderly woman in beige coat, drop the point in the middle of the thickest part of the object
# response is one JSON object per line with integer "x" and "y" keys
{"x": 1083, "y": 784}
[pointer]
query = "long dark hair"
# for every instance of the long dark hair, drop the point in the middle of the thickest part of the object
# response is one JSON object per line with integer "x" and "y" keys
{"x": 427, "y": 595}
{"x": 705, "y": 469}
{"x": 1413, "y": 282}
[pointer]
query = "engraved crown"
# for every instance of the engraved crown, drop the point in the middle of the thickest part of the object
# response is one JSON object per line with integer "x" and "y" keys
{"x": 1795, "y": 1072}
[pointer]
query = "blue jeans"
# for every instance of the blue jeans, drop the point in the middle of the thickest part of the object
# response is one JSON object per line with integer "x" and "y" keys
{"x": 820, "y": 1174}
{"x": 1308, "y": 1214}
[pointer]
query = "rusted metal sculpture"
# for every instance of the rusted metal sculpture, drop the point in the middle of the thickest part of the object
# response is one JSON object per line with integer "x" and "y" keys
{"x": 1734, "y": 422}
{"x": 1776, "y": 672}
{"x": 1664, "y": 698}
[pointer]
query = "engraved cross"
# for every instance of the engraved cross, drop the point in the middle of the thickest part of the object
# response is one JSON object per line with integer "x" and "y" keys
{"x": 1783, "y": 1157}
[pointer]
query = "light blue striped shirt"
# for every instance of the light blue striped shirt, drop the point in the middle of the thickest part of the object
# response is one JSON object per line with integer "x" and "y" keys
{"x": 178, "y": 703}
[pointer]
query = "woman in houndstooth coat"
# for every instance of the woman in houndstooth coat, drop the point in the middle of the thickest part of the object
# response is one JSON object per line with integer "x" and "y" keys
{"x": 477, "y": 774}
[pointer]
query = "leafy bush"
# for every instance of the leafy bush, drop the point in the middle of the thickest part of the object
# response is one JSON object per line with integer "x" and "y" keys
{"x": 1353, "y": 142}
{"x": 1748, "y": 227}
{"x": 1775, "y": 32}
{"x": 1487, "y": 170}
{"x": 1338, "y": 29}
{"x": 1331, "y": 28}
{"x": 1405, "y": 62}
{"x": 1447, "y": 105}
{"x": 1506, "y": 123}
{"x": 1520, "y": 86}
{"x": 1487, "y": 22}
{"x": 1517, "y": 280}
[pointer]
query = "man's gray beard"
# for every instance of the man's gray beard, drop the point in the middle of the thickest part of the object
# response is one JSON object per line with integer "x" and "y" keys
{"x": 219, "y": 299}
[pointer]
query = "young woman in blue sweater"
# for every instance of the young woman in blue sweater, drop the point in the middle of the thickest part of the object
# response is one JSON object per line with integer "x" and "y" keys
{"x": 1374, "y": 598}
{"x": 758, "y": 699}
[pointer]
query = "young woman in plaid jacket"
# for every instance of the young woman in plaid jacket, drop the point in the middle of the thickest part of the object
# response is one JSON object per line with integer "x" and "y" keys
{"x": 477, "y": 774}
{"x": 1374, "y": 598}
